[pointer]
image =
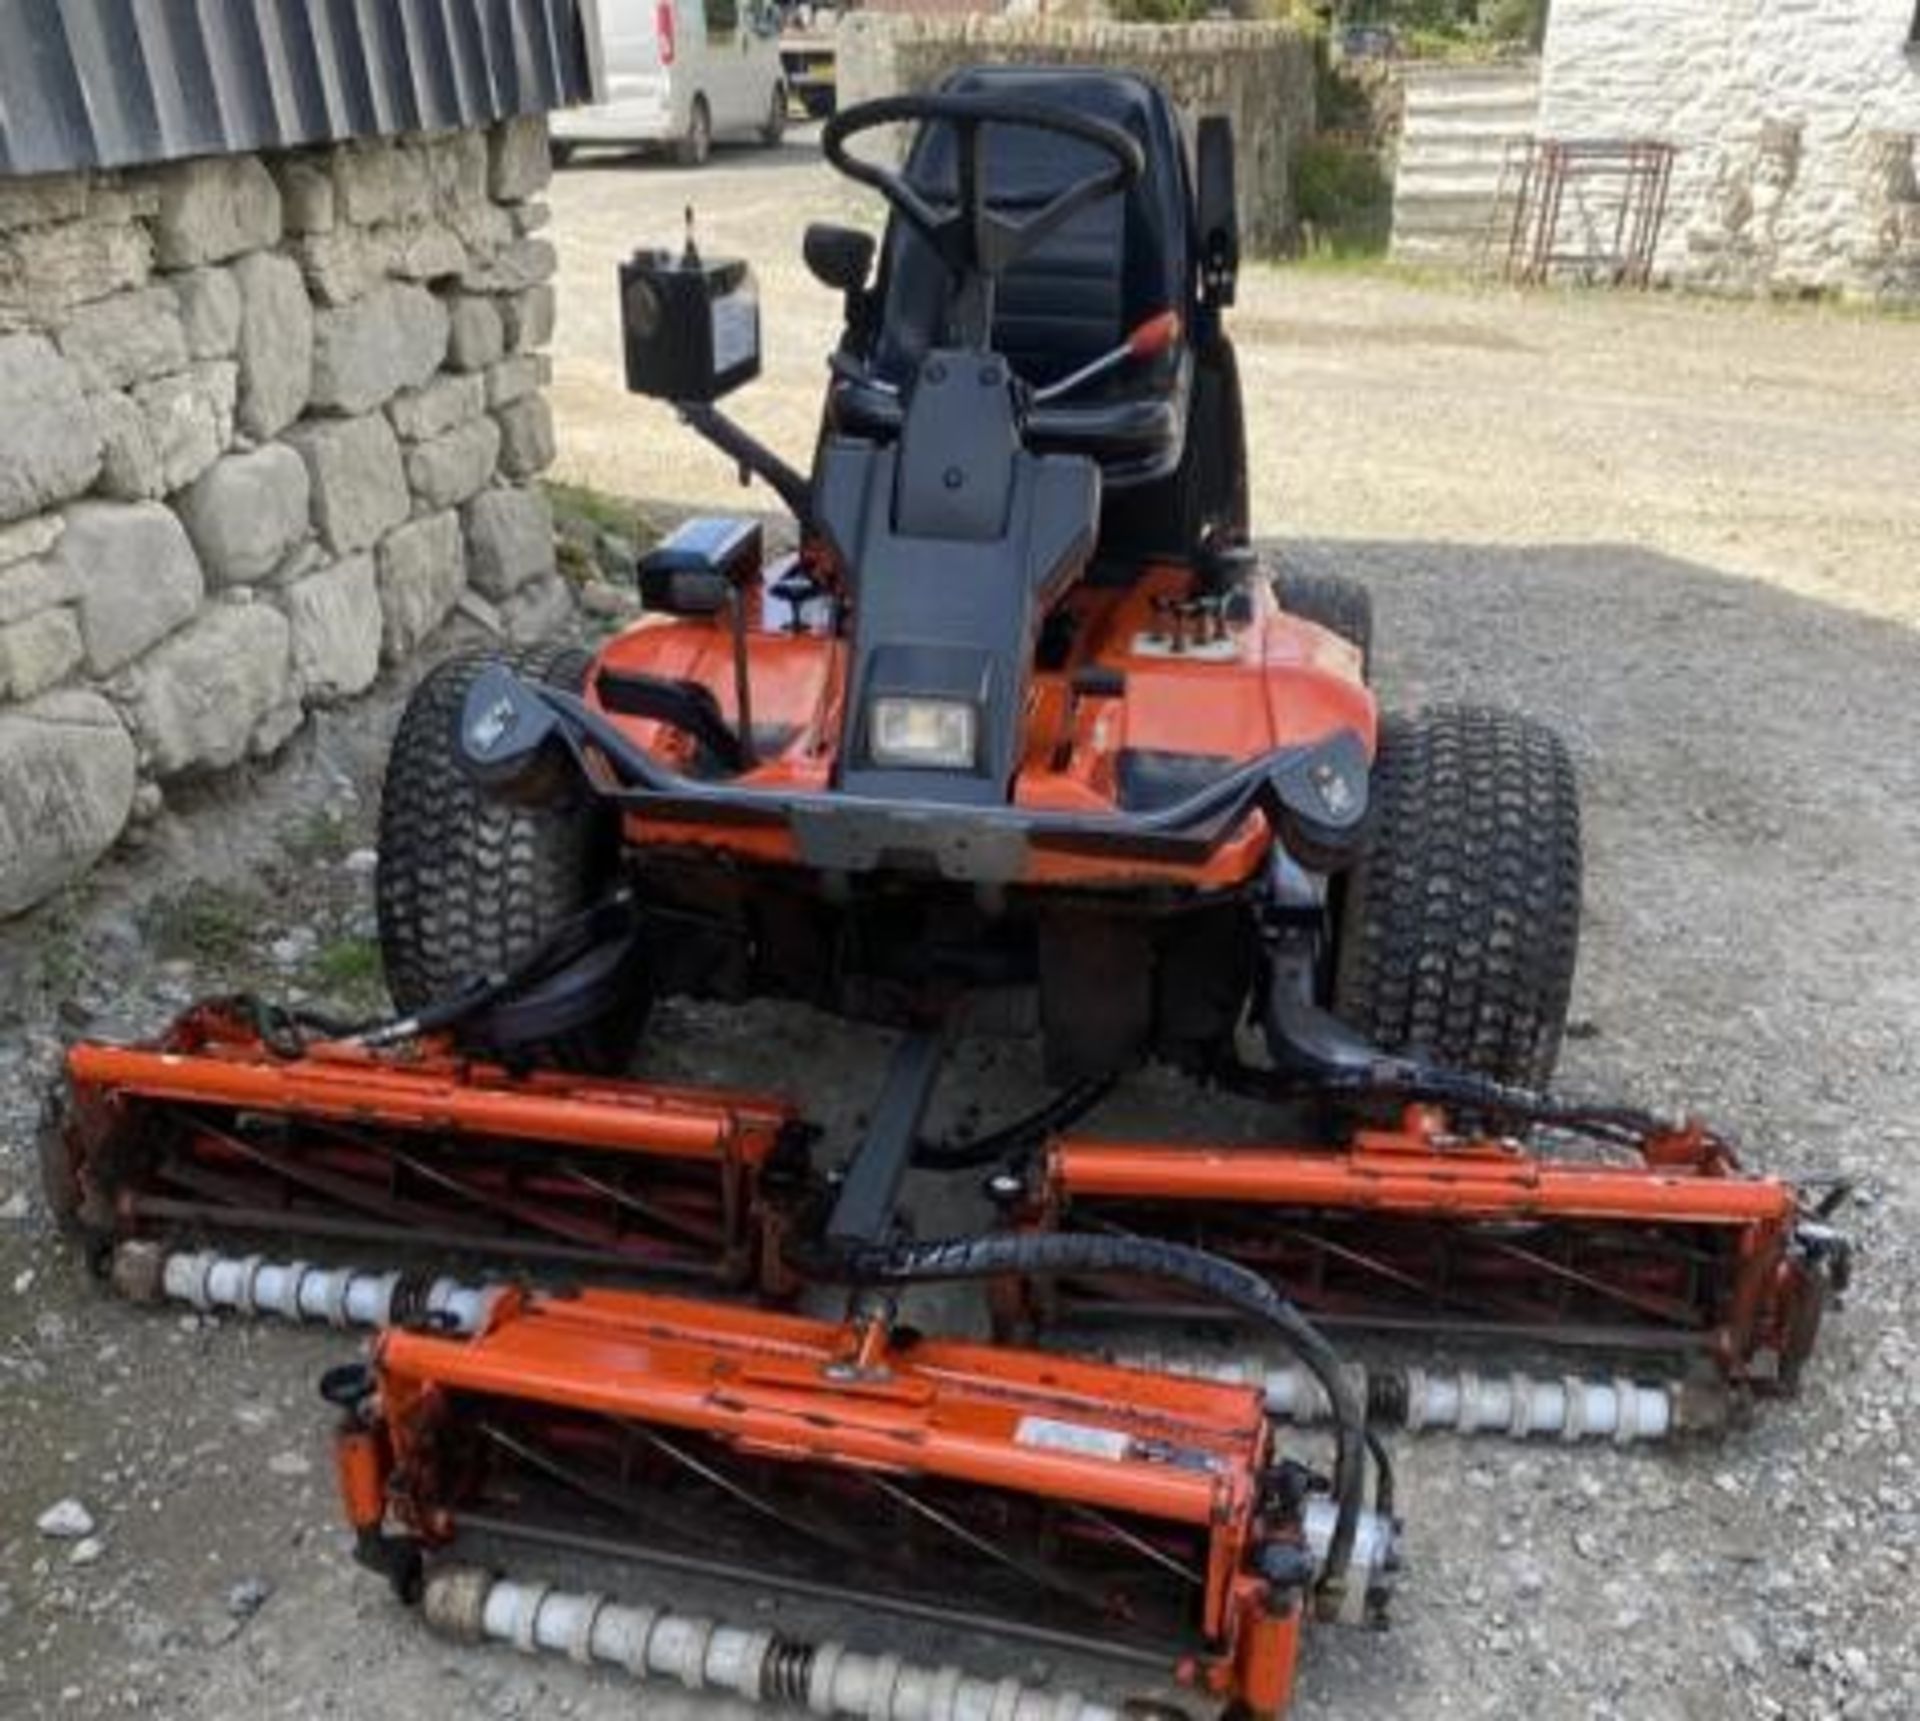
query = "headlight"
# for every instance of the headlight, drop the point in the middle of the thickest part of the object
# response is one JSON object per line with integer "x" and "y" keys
{"x": 937, "y": 734}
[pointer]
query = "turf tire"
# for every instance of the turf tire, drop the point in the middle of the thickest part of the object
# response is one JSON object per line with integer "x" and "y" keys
{"x": 1459, "y": 925}
{"x": 470, "y": 883}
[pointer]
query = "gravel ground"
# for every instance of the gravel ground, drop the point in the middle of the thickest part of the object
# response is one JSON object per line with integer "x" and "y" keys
{"x": 1686, "y": 534}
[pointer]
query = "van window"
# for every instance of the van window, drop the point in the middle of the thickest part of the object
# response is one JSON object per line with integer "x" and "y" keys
{"x": 723, "y": 19}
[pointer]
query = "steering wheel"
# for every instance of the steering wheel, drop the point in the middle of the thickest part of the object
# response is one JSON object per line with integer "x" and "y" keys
{"x": 970, "y": 237}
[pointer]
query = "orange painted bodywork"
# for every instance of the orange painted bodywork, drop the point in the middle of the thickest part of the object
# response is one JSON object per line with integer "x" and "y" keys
{"x": 1283, "y": 682}
{"x": 1767, "y": 1306}
{"x": 807, "y": 1392}
{"x": 210, "y": 1057}
{"x": 152, "y": 1129}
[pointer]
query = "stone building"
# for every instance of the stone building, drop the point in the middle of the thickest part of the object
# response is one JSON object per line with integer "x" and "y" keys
{"x": 273, "y": 294}
{"x": 1794, "y": 125}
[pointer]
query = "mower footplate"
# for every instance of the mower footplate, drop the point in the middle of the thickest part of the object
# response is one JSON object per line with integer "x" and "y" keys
{"x": 214, "y": 1127}
{"x": 1672, "y": 1250}
{"x": 1084, "y": 1505}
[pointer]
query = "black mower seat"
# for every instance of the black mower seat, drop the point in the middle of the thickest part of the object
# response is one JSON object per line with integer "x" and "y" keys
{"x": 1107, "y": 270}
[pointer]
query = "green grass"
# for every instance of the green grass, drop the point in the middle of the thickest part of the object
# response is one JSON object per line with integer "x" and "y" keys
{"x": 347, "y": 965}
{"x": 320, "y": 836}
{"x": 601, "y": 508}
{"x": 203, "y": 924}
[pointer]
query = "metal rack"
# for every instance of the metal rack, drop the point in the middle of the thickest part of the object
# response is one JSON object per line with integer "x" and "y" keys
{"x": 1618, "y": 192}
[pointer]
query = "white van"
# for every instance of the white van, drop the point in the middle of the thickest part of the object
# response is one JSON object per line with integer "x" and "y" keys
{"x": 683, "y": 73}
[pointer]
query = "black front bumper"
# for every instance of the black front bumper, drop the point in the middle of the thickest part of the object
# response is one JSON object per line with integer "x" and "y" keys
{"x": 1315, "y": 796}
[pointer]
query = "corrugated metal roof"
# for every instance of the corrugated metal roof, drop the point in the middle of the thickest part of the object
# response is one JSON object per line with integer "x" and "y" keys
{"x": 108, "y": 83}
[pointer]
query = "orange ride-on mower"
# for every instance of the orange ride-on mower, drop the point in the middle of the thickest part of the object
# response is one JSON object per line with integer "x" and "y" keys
{"x": 1020, "y": 736}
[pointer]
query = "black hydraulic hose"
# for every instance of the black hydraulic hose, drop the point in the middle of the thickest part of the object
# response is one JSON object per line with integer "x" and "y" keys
{"x": 1059, "y": 1254}
{"x": 1408, "y": 1081}
{"x": 1062, "y": 1111}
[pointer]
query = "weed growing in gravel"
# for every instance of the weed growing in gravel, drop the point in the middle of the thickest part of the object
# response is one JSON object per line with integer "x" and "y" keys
{"x": 347, "y": 965}
{"x": 203, "y": 923}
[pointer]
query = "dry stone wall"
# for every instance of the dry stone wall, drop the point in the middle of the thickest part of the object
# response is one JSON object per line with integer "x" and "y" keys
{"x": 1794, "y": 122}
{"x": 1260, "y": 76}
{"x": 264, "y": 422}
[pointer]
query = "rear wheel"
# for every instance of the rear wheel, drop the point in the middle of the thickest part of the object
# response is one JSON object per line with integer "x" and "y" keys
{"x": 1340, "y": 605}
{"x": 775, "y": 127}
{"x": 1460, "y": 922}
{"x": 693, "y": 149}
{"x": 560, "y": 153}
{"x": 469, "y": 884}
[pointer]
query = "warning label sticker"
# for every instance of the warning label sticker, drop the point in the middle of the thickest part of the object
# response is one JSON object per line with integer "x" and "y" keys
{"x": 1081, "y": 1437}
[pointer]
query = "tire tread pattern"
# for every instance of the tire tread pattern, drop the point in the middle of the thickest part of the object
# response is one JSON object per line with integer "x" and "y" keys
{"x": 1460, "y": 926}
{"x": 468, "y": 883}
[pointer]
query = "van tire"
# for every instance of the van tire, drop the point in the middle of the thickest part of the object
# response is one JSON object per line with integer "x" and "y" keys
{"x": 560, "y": 153}
{"x": 693, "y": 149}
{"x": 776, "y": 126}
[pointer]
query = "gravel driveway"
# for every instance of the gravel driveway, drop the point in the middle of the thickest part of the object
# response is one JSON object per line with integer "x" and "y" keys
{"x": 1688, "y": 534}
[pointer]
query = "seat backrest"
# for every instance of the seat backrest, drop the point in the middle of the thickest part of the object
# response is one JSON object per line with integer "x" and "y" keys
{"x": 1109, "y": 268}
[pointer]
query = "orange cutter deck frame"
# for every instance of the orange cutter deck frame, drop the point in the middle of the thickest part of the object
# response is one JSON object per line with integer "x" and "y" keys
{"x": 1418, "y": 1228}
{"x": 977, "y": 1483}
{"x": 210, "y": 1126}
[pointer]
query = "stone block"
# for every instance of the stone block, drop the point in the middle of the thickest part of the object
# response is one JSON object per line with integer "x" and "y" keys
{"x": 189, "y": 419}
{"x": 209, "y": 301}
{"x": 517, "y": 377}
{"x": 125, "y": 339}
{"x": 196, "y": 701}
{"x": 380, "y": 181}
{"x": 39, "y": 652}
{"x": 447, "y": 401}
{"x": 27, "y": 588}
{"x": 423, "y": 251}
{"x": 43, "y": 198}
{"x": 66, "y": 789}
{"x": 519, "y": 161}
{"x": 526, "y": 436}
{"x": 342, "y": 265}
{"x": 49, "y": 439}
{"x": 475, "y": 336}
{"x": 422, "y": 568}
{"x": 483, "y": 228}
{"x": 528, "y": 317}
{"x": 24, "y": 538}
{"x": 455, "y": 466}
{"x": 306, "y": 192}
{"x": 457, "y": 164}
{"x": 129, "y": 461}
{"x": 537, "y": 611}
{"x": 245, "y": 512}
{"x": 509, "y": 540}
{"x": 137, "y": 576}
{"x": 516, "y": 266}
{"x": 214, "y": 208}
{"x": 46, "y": 271}
{"x": 359, "y": 489}
{"x": 394, "y": 338}
{"x": 276, "y": 344}
{"x": 530, "y": 218}
{"x": 336, "y": 620}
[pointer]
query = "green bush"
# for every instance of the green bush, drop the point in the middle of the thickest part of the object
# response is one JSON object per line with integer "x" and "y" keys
{"x": 1343, "y": 197}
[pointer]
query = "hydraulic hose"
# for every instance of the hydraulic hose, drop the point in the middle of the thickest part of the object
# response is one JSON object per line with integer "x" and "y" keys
{"x": 1063, "y": 1254}
{"x": 1022, "y": 1135}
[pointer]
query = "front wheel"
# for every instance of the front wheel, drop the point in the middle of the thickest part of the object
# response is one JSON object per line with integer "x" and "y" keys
{"x": 469, "y": 884}
{"x": 1460, "y": 922}
{"x": 693, "y": 149}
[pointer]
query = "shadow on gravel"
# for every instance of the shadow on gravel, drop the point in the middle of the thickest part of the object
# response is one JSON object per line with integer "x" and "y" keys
{"x": 1750, "y": 772}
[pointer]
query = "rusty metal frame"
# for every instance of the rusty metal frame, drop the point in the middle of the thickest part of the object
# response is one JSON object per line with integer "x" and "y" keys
{"x": 1636, "y": 172}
